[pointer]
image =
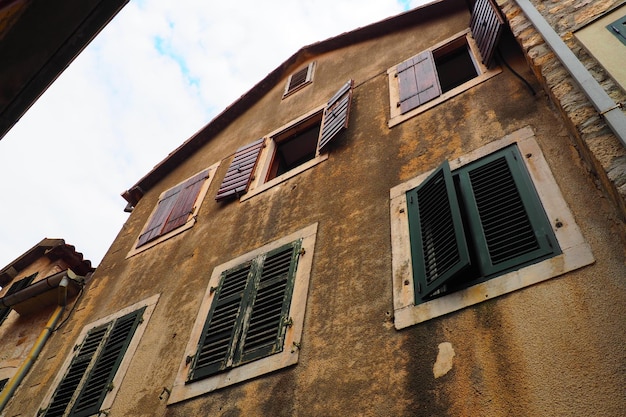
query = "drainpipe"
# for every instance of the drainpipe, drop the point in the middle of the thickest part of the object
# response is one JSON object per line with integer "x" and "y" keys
{"x": 15, "y": 381}
{"x": 605, "y": 106}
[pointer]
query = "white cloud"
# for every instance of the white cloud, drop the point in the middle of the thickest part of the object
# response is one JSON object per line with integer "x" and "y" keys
{"x": 155, "y": 75}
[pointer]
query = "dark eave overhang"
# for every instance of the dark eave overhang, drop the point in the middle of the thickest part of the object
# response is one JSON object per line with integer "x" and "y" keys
{"x": 38, "y": 40}
{"x": 232, "y": 112}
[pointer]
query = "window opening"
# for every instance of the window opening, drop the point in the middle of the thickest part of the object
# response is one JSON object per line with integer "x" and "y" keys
{"x": 454, "y": 67}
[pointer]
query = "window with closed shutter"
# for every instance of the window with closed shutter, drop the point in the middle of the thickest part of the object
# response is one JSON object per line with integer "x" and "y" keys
{"x": 249, "y": 312}
{"x": 90, "y": 374}
{"x": 474, "y": 223}
{"x": 299, "y": 79}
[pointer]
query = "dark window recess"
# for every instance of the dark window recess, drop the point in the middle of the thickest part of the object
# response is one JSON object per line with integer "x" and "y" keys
{"x": 477, "y": 222}
{"x": 294, "y": 146}
{"x": 174, "y": 208}
{"x": 249, "y": 314}
{"x": 299, "y": 79}
{"x": 618, "y": 29}
{"x": 3, "y": 383}
{"x": 90, "y": 375}
{"x": 15, "y": 287}
{"x": 455, "y": 68}
{"x": 486, "y": 25}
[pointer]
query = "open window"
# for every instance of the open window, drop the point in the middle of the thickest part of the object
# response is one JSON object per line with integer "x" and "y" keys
{"x": 479, "y": 226}
{"x": 289, "y": 150}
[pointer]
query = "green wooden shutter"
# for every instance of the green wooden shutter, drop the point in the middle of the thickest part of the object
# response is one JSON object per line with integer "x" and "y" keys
{"x": 486, "y": 25}
{"x": 223, "y": 325}
{"x": 418, "y": 82}
{"x": 240, "y": 172}
{"x": 184, "y": 204}
{"x": 438, "y": 247}
{"x": 108, "y": 361}
{"x": 263, "y": 333}
{"x": 509, "y": 226}
{"x": 160, "y": 216}
{"x": 336, "y": 115}
{"x": 76, "y": 372}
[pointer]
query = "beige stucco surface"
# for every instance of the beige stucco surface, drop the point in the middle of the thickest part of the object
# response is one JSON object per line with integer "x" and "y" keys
{"x": 553, "y": 349}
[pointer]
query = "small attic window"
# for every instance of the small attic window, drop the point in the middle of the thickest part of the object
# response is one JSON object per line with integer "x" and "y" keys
{"x": 299, "y": 79}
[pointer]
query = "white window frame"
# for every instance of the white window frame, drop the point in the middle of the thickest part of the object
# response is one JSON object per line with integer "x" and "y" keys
{"x": 576, "y": 253}
{"x": 484, "y": 73}
{"x": 291, "y": 348}
{"x": 308, "y": 80}
{"x": 191, "y": 220}
{"x": 150, "y": 304}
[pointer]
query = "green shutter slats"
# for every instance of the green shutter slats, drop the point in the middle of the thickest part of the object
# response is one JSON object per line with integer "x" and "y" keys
{"x": 438, "y": 246}
{"x": 418, "y": 82}
{"x": 336, "y": 115}
{"x": 486, "y": 25}
{"x": 184, "y": 204}
{"x": 101, "y": 376}
{"x": 76, "y": 372}
{"x": 239, "y": 173}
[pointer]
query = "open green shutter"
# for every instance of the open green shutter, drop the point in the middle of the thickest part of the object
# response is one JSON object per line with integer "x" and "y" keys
{"x": 487, "y": 26}
{"x": 509, "y": 226}
{"x": 66, "y": 390}
{"x": 264, "y": 330}
{"x": 438, "y": 246}
{"x": 185, "y": 200}
{"x": 240, "y": 172}
{"x": 336, "y": 115}
{"x": 222, "y": 328}
{"x": 160, "y": 216}
{"x": 108, "y": 361}
{"x": 418, "y": 82}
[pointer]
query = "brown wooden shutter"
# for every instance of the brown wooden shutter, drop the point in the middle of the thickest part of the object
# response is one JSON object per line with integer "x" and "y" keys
{"x": 336, "y": 115}
{"x": 486, "y": 25}
{"x": 417, "y": 81}
{"x": 160, "y": 216}
{"x": 240, "y": 171}
{"x": 184, "y": 204}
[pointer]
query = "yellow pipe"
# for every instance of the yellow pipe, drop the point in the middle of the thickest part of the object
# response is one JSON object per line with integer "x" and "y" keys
{"x": 16, "y": 379}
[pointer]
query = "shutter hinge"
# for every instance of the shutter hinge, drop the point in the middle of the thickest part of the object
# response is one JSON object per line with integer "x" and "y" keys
{"x": 212, "y": 290}
{"x": 189, "y": 358}
{"x": 296, "y": 346}
{"x": 302, "y": 251}
{"x": 110, "y": 387}
{"x": 165, "y": 391}
{"x": 76, "y": 347}
{"x": 288, "y": 322}
{"x": 419, "y": 287}
{"x": 41, "y": 411}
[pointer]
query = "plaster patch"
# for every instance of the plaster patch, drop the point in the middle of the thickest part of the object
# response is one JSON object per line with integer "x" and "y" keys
{"x": 443, "y": 364}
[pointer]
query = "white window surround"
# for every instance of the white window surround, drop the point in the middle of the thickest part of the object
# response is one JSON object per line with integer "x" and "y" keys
{"x": 150, "y": 304}
{"x": 396, "y": 117}
{"x": 190, "y": 221}
{"x": 308, "y": 80}
{"x": 290, "y": 352}
{"x": 576, "y": 252}
{"x": 258, "y": 184}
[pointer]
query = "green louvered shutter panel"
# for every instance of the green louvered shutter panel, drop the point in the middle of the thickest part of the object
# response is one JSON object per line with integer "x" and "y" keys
{"x": 108, "y": 361}
{"x": 185, "y": 200}
{"x": 66, "y": 390}
{"x": 486, "y": 25}
{"x": 336, "y": 115}
{"x": 222, "y": 328}
{"x": 509, "y": 226}
{"x": 240, "y": 172}
{"x": 15, "y": 287}
{"x": 418, "y": 82}
{"x": 160, "y": 216}
{"x": 438, "y": 246}
{"x": 264, "y": 329}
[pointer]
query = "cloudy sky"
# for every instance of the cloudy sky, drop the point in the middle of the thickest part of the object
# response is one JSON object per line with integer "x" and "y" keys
{"x": 155, "y": 75}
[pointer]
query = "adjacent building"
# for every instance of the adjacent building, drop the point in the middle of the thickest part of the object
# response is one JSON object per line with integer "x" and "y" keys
{"x": 424, "y": 216}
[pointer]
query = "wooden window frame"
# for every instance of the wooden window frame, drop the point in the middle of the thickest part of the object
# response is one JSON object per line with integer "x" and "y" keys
{"x": 184, "y": 389}
{"x": 575, "y": 252}
{"x": 148, "y": 305}
{"x": 191, "y": 218}
{"x": 458, "y": 40}
{"x": 308, "y": 79}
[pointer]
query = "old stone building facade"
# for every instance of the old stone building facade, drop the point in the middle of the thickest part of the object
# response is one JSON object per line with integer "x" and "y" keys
{"x": 421, "y": 217}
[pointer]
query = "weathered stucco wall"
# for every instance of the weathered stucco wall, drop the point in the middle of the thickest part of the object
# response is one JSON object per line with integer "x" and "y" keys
{"x": 551, "y": 349}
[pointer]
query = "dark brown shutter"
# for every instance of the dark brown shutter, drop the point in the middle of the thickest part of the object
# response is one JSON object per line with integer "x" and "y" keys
{"x": 240, "y": 171}
{"x": 297, "y": 79}
{"x": 160, "y": 216}
{"x": 185, "y": 202}
{"x": 486, "y": 25}
{"x": 417, "y": 81}
{"x": 336, "y": 114}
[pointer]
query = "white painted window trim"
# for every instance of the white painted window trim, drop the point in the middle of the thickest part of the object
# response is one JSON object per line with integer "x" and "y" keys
{"x": 576, "y": 252}
{"x": 258, "y": 184}
{"x": 191, "y": 220}
{"x": 150, "y": 304}
{"x": 290, "y": 352}
{"x": 309, "y": 79}
{"x": 396, "y": 117}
